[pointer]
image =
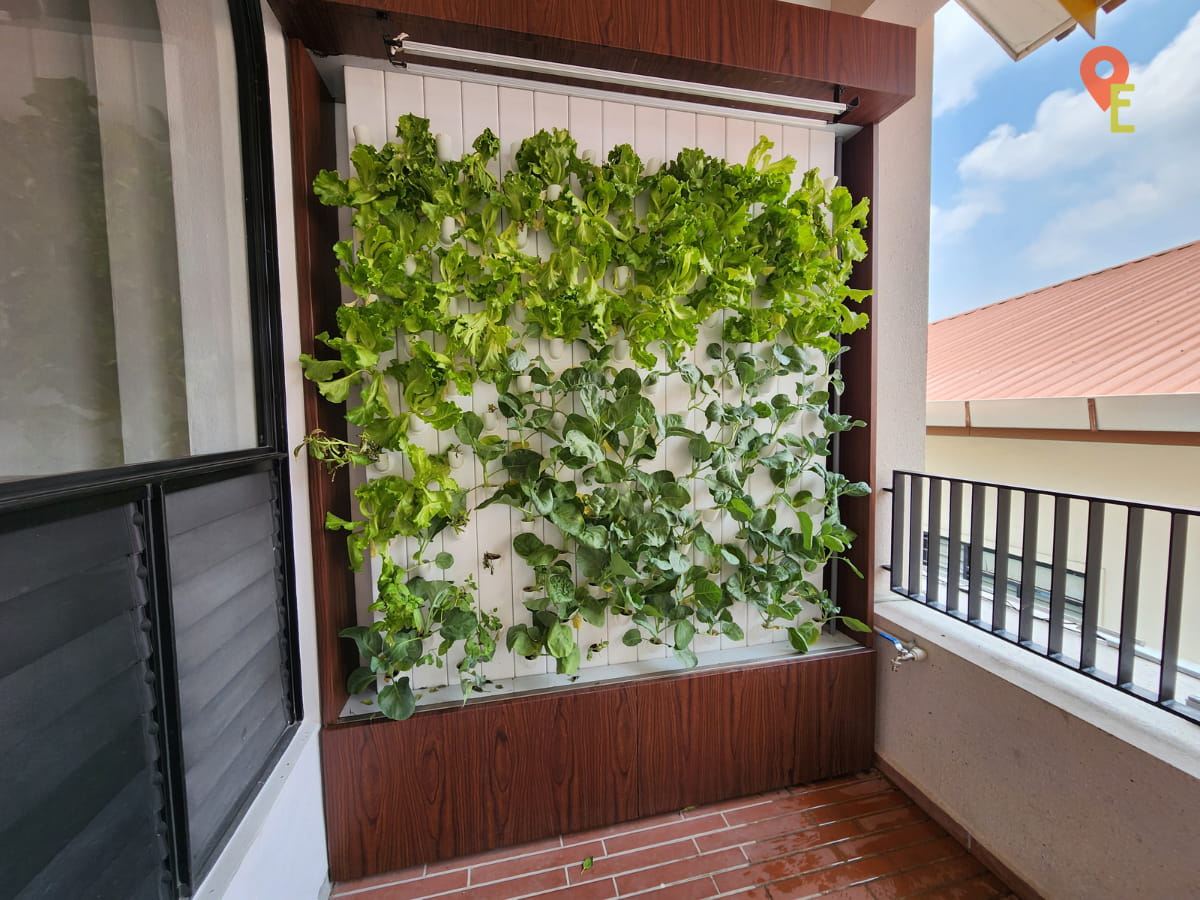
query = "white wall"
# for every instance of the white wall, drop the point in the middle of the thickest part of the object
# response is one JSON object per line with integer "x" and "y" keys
{"x": 278, "y": 851}
{"x": 900, "y": 209}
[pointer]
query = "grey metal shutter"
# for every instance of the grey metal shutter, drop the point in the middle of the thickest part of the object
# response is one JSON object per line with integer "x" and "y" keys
{"x": 230, "y": 618}
{"x": 81, "y": 811}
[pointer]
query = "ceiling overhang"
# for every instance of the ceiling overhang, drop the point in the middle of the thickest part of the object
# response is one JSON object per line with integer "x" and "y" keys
{"x": 767, "y": 47}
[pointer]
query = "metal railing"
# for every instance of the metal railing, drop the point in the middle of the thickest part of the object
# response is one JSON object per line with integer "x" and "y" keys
{"x": 1099, "y": 585}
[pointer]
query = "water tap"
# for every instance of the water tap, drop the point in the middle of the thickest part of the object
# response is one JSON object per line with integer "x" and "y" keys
{"x": 904, "y": 652}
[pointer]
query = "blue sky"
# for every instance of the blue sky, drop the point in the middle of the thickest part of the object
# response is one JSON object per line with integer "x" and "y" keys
{"x": 1030, "y": 187}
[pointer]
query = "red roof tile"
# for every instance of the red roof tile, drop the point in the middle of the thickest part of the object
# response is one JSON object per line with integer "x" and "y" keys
{"x": 1131, "y": 329}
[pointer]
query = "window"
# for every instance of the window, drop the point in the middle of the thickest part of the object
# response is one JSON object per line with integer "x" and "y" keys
{"x": 147, "y": 669}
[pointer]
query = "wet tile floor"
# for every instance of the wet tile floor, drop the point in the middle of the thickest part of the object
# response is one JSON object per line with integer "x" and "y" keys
{"x": 856, "y": 838}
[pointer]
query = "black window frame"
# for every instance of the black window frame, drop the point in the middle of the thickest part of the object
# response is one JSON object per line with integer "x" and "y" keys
{"x": 28, "y": 500}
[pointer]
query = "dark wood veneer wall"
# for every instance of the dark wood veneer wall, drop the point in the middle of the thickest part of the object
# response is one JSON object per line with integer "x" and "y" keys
{"x": 500, "y": 773}
{"x": 762, "y": 45}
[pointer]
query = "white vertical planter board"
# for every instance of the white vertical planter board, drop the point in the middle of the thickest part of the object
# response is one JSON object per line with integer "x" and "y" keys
{"x": 458, "y": 110}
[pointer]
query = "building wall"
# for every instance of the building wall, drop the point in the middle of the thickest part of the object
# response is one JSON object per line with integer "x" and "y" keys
{"x": 278, "y": 851}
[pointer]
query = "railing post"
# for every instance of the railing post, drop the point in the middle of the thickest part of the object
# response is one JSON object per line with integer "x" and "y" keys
{"x": 954, "y": 550}
{"x": 1129, "y": 595}
{"x": 1029, "y": 546}
{"x": 975, "y": 561}
{"x": 1173, "y": 612}
{"x": 897, "y": 573}
{"x": 916, "y": 498}
{"x": 933, "y": 563}
{"x": 1000, "y": 571}
{"x": 1058, "y": 575}
{"x": 1091, "y": 586}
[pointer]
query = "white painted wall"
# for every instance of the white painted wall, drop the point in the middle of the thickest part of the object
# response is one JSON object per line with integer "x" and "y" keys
{"x": 900, "y": 210}
{"x": 278, "y": 850}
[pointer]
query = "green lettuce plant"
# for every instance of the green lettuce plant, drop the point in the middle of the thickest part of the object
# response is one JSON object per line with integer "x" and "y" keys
{"x": 450, "y": 294}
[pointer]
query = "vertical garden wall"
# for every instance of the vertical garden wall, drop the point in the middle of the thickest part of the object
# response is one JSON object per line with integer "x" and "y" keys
{"x": 592, "y": 392}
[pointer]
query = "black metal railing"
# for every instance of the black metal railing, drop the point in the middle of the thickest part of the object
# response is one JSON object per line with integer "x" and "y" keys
{"x": 1099, "y": 585}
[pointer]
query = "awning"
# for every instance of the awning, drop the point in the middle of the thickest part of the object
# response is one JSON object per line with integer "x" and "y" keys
{"x": 1021, "y": 26}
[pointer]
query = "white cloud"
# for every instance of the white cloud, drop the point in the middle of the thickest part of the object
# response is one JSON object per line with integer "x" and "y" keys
{"x": 1111, "y": 182}
{"x": 969, "y": 207}
{"x": 963, "y": 56}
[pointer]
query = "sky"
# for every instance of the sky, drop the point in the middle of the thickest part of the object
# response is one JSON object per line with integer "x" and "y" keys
{"x": 1030, "y": 187}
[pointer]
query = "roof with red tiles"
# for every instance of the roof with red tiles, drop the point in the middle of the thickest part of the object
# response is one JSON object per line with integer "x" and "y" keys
{"x": 1131, "y": 329}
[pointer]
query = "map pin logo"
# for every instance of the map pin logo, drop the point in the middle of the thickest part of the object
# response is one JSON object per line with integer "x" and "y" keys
{"x": 1099, "y": 87}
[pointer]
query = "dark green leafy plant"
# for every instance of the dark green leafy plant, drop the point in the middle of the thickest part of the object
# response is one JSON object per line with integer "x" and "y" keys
{"x": 449, "y": 298}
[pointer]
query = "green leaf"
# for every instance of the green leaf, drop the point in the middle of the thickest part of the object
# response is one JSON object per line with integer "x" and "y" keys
{"x": 583, "y": 446}
{"x": 561, "y": 640}
{"x": 632, "y": 637}
{"x": 458, "y": 624}
{"x": 587, "y": 864}
{"x": 520, "y": 642}
{"x": 620, "y": 568}
{"x": 854, "y": 624}
{"x": 444, "y": 560}
{"x": 527, "y": 544}
{"x": 360, "y": 679}
{"x": 396, "y": 701}
{"x": 687, "y": 657}
{"x": 684, "y": 632}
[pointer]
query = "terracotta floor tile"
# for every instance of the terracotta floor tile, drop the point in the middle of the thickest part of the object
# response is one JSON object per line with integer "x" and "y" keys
{"x": 778, "y": 869}
{"x": 915, "y": 881}
{"x": 611, "y": 866}
{"x": 800, "y": 840}
{"x": 893, "y": 818}
{"x": 984, "y": 887}
{"x": 888, "y": 841}
{"x": 487, "y": 856}
{"x": 697, "y": 889}
{"x": 683, "y": 828}
{"x": 924, "y": 854}
{"x": 554, "y": 858}
{"x": 755, "y": 831}
{"x": 858, "y": 892}
{"x": 349, "y": 887}
{"x": 514, "y": 887}
{"x": 855, "y": 838}
{"x": 594, "y": 890}
{"x": 420, "y": 888}
{"x": 854, "y": 809}
{"x": 832, "y": 879}
{"x": 684, "y": 869}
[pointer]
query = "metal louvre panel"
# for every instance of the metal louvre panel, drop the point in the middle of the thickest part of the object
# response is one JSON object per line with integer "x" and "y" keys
{"x": 82, "y": 814}
{"x": 227, "y": 593}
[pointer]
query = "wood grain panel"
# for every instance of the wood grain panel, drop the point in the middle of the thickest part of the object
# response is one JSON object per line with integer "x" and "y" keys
{"x": 504, "y": 772}
{"x": 856, "y": 451}
{"x": 729, "y": 734}
{"x": 312, "y": 118}
{"x": 767, "y": 46}
{"x": 451, "y": 782}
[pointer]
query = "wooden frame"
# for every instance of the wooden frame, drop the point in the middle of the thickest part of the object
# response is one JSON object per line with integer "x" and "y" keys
{"x": 511, "y": 770}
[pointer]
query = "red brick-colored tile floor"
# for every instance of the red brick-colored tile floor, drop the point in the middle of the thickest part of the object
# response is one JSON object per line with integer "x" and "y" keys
{"x": 856, "y": 838}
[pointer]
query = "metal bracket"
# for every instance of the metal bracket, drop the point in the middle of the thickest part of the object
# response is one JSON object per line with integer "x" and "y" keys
{"x": 395, "y": 49}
